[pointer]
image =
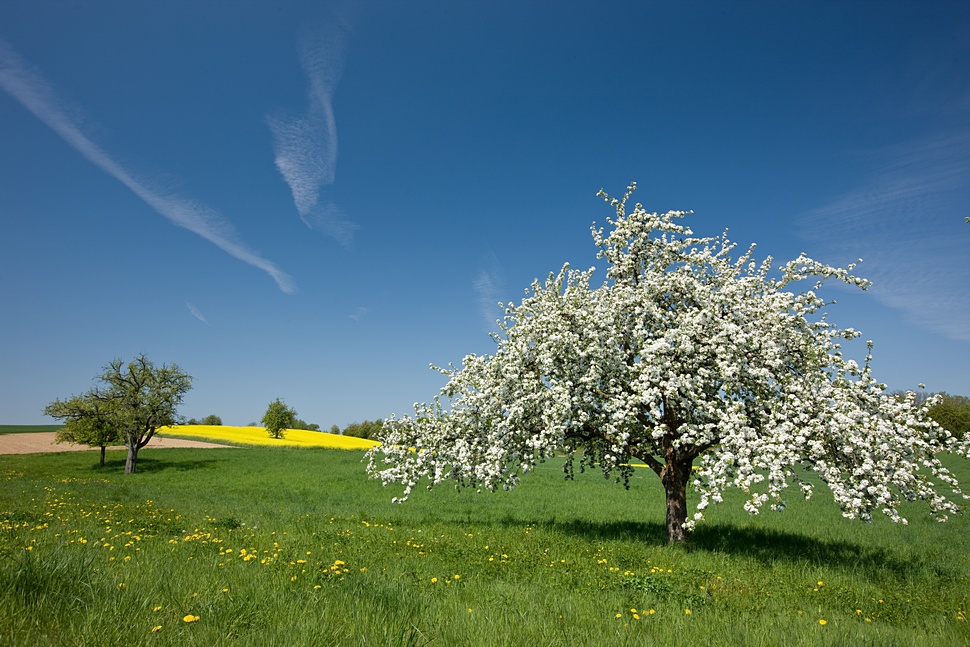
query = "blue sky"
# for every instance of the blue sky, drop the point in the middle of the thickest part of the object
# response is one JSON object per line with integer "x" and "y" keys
{"x": 316, "y": 200}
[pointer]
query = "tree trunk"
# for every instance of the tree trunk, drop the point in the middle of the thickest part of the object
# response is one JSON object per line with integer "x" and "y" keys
{"x": 102, "y": 455}
{"x": 132, "y": 459}
{"x": 674, "y": 479}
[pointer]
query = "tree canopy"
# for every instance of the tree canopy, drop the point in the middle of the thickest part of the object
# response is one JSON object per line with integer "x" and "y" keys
{"x": 134, "y": 400}
{"x": 278, "y": 418}
{"x": 713, "y": 371}
{"x": 87, "y": 421}
{"x": 952, "y": 412}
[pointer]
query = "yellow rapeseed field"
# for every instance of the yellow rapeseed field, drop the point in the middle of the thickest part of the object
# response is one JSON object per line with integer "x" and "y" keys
{"x": 258, "y": 436}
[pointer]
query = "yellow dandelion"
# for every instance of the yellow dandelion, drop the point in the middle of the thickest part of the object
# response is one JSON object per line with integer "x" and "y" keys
{"x": 434, "y": 580}
{"x": 687, "y": 612}
{"x": 636, "y": 616}
{"x": 619, "y": 615}
{"x": 652, "y": 611}
{"x": 190, "y": 618}
{"x": 457, "y": 577}
{"x": 823, "y": 621}
{"x": 156, "y": 628}
{"x": 158, "y": 608}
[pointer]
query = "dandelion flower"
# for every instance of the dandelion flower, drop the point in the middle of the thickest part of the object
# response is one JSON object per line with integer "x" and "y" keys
{"x": 619, "y": 615}
{"x": 823, "y": 621}
{"x": 687, "y": 612}
{"x": 434, "y": 580}
{"x": 190, "y": 618}
{"x": 156, "y": 628}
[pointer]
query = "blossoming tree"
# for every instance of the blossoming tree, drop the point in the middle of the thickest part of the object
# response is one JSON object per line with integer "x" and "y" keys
{"x": 714, "y": 372}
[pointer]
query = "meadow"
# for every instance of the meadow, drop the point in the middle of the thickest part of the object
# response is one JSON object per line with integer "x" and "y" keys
{"x": 288, "y": 546}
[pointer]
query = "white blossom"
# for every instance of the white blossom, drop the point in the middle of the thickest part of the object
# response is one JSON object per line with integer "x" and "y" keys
{"x": 682, "y": 356}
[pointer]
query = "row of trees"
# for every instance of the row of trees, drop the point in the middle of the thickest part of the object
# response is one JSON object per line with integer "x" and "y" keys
{"x": 212, "y": 420}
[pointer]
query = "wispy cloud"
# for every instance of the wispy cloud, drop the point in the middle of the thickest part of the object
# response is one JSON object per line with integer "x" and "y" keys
{"x": 196, "y": 313}
{"x": 32, "y": 90}
{"x": 359, "y": 313}
{"x": 305, "y": 146}
{"x": 487, "y": 288}
{"x": 906, "y": 220}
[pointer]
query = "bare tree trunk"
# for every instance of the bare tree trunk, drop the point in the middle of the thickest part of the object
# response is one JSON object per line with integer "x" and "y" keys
{"x": 674, "y": 479}
{"x": 102, "y": 455}
{"x": 132, "y": 460}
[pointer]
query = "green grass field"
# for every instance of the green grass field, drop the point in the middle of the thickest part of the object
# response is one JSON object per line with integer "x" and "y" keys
{"x": 26, "y": 429}
{"x": 296, "y": 547}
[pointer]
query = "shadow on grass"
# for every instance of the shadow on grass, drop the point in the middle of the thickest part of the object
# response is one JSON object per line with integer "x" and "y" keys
{"x": 761, "y": 544}
{"x": 149, "y": 465}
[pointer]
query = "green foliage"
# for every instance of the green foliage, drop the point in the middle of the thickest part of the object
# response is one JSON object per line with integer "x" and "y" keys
{"x": 133, "y": 402}
{"x": 212, "y": 419}
{"x": 87, "y": 421}
{"x": 278, "y": 418}
{"x": 367, "y": 429}
{"x": 952, "y": 413}
{"x": 552, "y": 563}
{"x": 303, "y": 424}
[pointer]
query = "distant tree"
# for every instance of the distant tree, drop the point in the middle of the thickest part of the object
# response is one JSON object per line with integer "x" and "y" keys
{"x": 303, "y": 424}
{"x": 87, "y": 421}
{"x": 367, "y": 429}
{"x": 952, "y": 412}
{"x": 192, "y": 421}
{"x": 278, "y": 418}
{"x": 212, "y": 420}
{"x": 334, "y": 429}
{"x": 135, "y": 399}
{"x": 710, "y": 367}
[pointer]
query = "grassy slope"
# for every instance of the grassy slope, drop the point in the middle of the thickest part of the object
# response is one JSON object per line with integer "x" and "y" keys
{"x": 552, "y": 563}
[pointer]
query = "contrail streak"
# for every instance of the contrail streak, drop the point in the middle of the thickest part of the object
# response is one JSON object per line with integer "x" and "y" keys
{"x": 36, "y": 94}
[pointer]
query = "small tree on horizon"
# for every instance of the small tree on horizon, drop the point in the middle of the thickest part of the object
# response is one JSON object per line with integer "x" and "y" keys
{"x": 683, "y": 358}
{"x": 278, "y": 418}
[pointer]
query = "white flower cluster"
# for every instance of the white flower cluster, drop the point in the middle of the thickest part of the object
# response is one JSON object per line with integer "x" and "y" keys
{"x": 682, "y": 357}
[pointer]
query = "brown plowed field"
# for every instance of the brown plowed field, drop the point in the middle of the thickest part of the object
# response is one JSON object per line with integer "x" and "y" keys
{"x": 36, "y": 443}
